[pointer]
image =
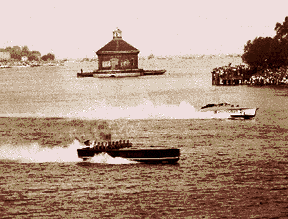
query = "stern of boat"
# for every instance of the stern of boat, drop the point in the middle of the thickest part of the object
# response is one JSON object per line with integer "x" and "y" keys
{"x": 85, "y": 153}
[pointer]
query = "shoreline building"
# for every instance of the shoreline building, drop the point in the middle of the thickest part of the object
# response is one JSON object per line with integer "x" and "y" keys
{"x": 118, "y": 59}
{"x": 117, "y": 54}
{"x": 5, "y": 56}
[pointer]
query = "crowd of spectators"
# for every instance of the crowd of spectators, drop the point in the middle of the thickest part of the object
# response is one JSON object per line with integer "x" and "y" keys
{"x": 249, "y": 76}
{"x": 270, "y": 77}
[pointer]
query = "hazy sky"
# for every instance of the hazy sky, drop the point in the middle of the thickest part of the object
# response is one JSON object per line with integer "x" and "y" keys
{"x": 73, "y": 29}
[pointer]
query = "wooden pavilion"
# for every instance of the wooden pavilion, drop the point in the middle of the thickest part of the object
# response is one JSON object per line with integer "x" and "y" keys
{"x": 118, "y": 59}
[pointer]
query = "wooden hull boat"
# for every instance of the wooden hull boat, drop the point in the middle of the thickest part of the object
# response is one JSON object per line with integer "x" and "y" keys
{"x": 150, "y": 154}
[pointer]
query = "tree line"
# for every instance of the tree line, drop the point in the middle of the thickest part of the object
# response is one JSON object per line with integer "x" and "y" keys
{"x": 16, "y": 52}
{"x": 268, "y": 52}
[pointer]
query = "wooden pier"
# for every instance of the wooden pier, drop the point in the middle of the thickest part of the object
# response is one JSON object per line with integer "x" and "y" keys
{"x": 229, "y": 75}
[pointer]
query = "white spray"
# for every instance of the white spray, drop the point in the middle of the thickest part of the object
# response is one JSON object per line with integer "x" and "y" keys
{"x": 33, "y": 153}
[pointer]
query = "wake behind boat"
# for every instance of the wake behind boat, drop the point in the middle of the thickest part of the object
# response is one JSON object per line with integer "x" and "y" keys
{"x": 233, "y": 111}
{"x": 125, "y": 150}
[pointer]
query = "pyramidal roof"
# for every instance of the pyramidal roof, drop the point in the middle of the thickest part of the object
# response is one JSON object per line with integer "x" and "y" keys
{"x": 117, "y": 45}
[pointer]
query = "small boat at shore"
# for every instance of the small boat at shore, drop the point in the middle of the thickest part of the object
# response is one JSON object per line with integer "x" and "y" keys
{"x": 152, "y": 154}
{"x": 154, "y": 72}
{"x": 223, "y": 110}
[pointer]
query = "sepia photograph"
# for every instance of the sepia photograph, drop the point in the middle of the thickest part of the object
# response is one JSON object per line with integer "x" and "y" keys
{"x": 144, "y": 109}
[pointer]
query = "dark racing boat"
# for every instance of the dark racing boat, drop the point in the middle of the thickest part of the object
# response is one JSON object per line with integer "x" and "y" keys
{"x": 152, "y": 154}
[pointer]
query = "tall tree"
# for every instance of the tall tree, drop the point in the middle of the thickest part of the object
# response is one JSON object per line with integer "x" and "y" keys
{"x": 36, "y": 52}
{"x": 282, "y": 30}
{"x": 32, "y": 57}
{"x": 16, "y": 55}
{"x": 51, "y": 56}
{"x": 267, "y": 52}
{"x": 15, "y": 52}
{"x": 256, "y": 53}
{"x": 48, "y": 57}
{"x": 25, "y": 51}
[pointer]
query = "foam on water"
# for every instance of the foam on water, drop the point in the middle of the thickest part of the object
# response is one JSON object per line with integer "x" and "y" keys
{"x": 105, "y": 158}
{"x": 33, "y": 153}
{"x": 147, "y": 110}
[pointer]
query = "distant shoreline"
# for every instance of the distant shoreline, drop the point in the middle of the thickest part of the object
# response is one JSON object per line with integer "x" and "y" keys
{"x": 29, "y": 64}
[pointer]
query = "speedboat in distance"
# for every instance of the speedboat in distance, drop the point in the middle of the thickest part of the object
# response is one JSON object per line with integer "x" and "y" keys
{"x": 226, "y": 110}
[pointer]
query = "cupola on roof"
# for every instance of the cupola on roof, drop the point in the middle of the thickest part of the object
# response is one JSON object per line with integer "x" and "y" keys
{"x": 117, "y": 45}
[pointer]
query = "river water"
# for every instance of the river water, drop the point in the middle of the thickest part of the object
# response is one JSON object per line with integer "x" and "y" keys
{"x": 227, "y": 168}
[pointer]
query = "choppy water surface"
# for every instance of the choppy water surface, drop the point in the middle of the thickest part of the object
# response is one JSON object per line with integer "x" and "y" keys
{"x": 228, "y": 168}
